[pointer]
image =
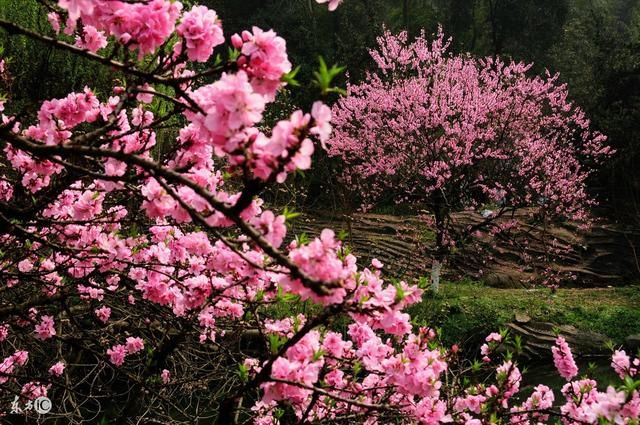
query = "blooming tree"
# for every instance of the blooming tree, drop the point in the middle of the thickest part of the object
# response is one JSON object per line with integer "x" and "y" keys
{"x": 137, "y": 287}
{"x": 452, "y": 132}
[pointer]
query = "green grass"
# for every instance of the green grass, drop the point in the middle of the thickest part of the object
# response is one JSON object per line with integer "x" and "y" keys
{"x": 466, "y": 311}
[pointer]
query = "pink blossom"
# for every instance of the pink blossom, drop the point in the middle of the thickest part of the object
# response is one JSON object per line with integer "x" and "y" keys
{"x": 165, "y": 376}
{"x": 145, "y": 96}
{"x": 621, "y": 363}
{"x": 45, "y": 329}
{"x": 54, "y": 20}
{"x": 117, "y": 354}
{"x": 264, "y": 59}
{"x": 273, "y": 228}
{"x": 20, "y": 357}
{"x": 509, "y": 376}
{"x": 563, "y": 359}
{"x": 495, "y": 337}
{"x": 230, "y": 104}
{"x": 92, "y": 39}
{"x": 25, "y": 266}
{"x": 4, "y": 331}
{"x": 321, "y": 114}
{"x": 201, "y": 30}
{"x": 134, "y": 345}
{"x": 103, "y": 313}
{"x": 334, "y": 345}
{"x": 541, "y": 399}
{"x": 57, "y": 369}
{"x": 420, "y": 87}
{"x": 33, "y": 390}
{"x": 333, "y": 4}
{"x": 76, "y": 7}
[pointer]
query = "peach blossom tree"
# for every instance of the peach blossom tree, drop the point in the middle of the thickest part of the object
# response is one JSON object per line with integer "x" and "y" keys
{"x": 450, "y": 132}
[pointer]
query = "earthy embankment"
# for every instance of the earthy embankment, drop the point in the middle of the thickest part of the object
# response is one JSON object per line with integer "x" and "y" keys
{"x": 605, "y": 255}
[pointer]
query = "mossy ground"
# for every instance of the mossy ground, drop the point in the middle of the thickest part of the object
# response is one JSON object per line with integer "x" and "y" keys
{"x": 464, "y": 310}
{"x": 467, "y": 311}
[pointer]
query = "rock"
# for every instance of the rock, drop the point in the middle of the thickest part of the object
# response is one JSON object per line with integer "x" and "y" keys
{"x": 632, "y": 342}
{"x": 522, "y": 318}
{"x": 502, "y": 280}
{"x": 539, "y": 337}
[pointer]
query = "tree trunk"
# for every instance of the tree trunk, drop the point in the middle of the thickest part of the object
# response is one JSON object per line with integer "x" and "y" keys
{"x": 441, "y": 248}
{"x": 435, "y": 275}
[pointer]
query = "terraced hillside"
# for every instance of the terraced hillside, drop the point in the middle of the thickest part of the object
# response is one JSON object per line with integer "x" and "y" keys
{"x": 604, "y": 255}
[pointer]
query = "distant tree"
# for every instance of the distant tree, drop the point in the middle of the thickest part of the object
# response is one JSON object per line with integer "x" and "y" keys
{"x": 451, "y": 132}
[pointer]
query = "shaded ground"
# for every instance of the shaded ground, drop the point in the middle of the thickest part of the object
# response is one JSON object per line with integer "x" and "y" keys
{"x": 605, "y": 255}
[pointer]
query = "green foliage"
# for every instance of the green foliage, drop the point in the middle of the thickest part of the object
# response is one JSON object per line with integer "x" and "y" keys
{"x": 289, "y": 215}
{"x": 243, "y": 372}
{"x": 275, "y": 342}
{"x": 599, "y": 57}
{"x": 39, "y": 71}
{"x": 290, "y": 77}
{"x": 324, "y": 76}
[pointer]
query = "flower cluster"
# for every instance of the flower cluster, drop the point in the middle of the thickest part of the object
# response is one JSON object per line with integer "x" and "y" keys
{"x": 264, "y": 58}
{"x": 201, "y": 30}
{"x": 563, "y": 359}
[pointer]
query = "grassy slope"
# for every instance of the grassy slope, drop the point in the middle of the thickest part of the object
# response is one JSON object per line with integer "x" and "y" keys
{"x": 465, "y": 309}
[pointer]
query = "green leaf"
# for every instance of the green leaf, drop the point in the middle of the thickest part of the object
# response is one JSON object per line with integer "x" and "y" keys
{"x": 517, "y": 343}
{"x": 342, "y": 235}
{"x": 423, "y": 282}
{"x": 476, "y": 366}
{"x": 290, "y": 77}
{"x": 275, "y": 342}
{"x": 234, "y": 54}
{"x": 343, "y": 252}
{"x": 290, "y": 214}
{"x": 302, "y": 239}
{"x": 278, "y": 413}
{"x": 324, "y": 77}
{"x": 318, "y": 355}
{"x": 400, "y": 294}
{"x": 630, "y": 384}
{"x": 357, "y": 367}
{"x": 243, "y": 372}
